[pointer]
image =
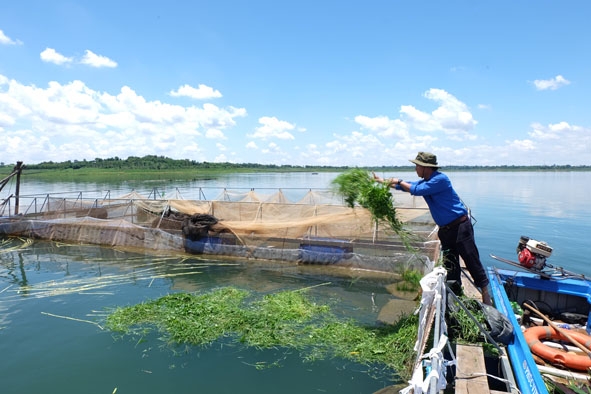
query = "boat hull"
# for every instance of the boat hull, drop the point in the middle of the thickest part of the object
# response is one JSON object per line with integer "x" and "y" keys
{"x": 509, "y": 288}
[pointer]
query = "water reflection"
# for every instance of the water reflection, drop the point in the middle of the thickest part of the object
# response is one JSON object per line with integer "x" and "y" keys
{"x": 46, "y": 269}
{"x": 85, "y": 282}
{"x": 49, "y": 292}
{"x": 546, "y": 194}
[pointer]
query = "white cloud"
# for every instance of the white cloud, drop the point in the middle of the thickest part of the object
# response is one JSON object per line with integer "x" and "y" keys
{"x": 5, "y": 40}
{"x": 72, "y": 121}
{"x": 451, "y": 117}
{"x": 355, "y": 148}
{"x": 92, "y": 59}
{"x": 272, "y": 148}
{"x": 559, "y": 143}
{"x": 211, "y": 116}
{"x": 311, "y": 151}
{"x": 6, "y": 120}
{"x": 563, "y": 127}
{"x": 273, "y": 128}
{"x": 414, "y": 130}
{"x": 203, "y": 92}
{"x": 383, "y": 126}
{"x": 552, "y": 83}
{"x": 526, "y": 145}
{"x": 215, "y": 134}
{"x": 560, "y": 131}
{"x": 50, "y": 55}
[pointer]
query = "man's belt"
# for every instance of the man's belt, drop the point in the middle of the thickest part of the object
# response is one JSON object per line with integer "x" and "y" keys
{"x": 455, "y": 222}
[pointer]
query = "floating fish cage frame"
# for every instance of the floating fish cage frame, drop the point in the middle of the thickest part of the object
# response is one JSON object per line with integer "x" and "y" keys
{"x": 318, "y": 228}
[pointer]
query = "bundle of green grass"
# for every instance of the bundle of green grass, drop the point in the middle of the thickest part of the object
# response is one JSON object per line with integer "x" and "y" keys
{"x": 358, "y": 187}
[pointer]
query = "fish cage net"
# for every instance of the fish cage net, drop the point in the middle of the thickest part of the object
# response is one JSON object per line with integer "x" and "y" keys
{"x": 316, "y": 229}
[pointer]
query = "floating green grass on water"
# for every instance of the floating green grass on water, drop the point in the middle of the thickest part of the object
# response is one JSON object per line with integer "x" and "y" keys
{"x": 185, "y": 318}
{"x": 278, "y": 319}
{"x": 289, "y": 319}
{"x": 411, "y": 279}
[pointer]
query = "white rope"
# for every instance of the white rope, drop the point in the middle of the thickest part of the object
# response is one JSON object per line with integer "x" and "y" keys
{"x": 513, "y": 388}
{"x": 432, "y": 301}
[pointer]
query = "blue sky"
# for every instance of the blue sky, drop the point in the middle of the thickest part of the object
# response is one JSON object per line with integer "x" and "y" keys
{"x": 357, "y": 83}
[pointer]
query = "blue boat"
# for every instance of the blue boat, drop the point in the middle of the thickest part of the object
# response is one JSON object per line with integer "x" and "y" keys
{"x": 556, "y": 294}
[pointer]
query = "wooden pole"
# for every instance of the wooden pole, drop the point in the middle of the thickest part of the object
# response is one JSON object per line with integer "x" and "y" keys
{"x": 559, "y": 330}
{"x": 18, "y": 168}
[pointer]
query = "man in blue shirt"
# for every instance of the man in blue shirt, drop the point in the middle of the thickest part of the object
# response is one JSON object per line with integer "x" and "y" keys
{"x": 456, "y": 233}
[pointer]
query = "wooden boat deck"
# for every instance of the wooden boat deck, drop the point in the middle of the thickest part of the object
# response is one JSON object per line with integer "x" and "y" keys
{"x": 471, "y": 371}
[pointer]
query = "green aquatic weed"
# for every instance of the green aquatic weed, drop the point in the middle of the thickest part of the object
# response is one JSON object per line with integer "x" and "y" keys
{"x": 357, "y": 186}
{"x": 287, "y": 319}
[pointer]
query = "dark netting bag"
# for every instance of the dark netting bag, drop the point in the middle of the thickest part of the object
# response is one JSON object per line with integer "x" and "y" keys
{"x": 496, "y": 324}
{"x": 501, "y": 329}
{"x": 197, "y": 226}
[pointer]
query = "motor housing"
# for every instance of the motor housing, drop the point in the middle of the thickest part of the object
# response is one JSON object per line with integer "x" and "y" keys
{"x": 532, "y": 254}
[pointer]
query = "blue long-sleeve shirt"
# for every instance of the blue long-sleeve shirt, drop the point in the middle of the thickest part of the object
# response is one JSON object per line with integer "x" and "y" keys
{"x": 443, "y": 201}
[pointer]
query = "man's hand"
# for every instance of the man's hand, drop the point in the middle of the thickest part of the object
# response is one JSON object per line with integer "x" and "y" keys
{"x": 389, "y": 182}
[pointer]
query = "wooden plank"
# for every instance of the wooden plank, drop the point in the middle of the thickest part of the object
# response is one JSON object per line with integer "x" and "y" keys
{"x": 470, "y": 370}
{"x": 470, "y": 290}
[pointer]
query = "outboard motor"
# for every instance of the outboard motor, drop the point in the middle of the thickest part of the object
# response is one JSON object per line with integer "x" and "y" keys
{"x": 532, "y": 254}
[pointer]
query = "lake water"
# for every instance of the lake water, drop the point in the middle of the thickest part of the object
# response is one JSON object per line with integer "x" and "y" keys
{"x": 43, "y": 352}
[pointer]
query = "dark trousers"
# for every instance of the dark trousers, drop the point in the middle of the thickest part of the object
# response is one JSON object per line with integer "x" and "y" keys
{"x": 459, "y": 241}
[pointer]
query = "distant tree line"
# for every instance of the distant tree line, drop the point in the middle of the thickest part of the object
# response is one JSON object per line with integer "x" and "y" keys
{"x": 153, "y": 162}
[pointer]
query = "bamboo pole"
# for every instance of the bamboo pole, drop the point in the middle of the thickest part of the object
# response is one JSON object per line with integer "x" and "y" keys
{"x": 559, "y": 330}
{"x": 561, "y": 373}
{"x": 18, "y": 168}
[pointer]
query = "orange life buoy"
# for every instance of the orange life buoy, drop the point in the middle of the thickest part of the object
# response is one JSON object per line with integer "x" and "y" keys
{"x": 533, "y": 335}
